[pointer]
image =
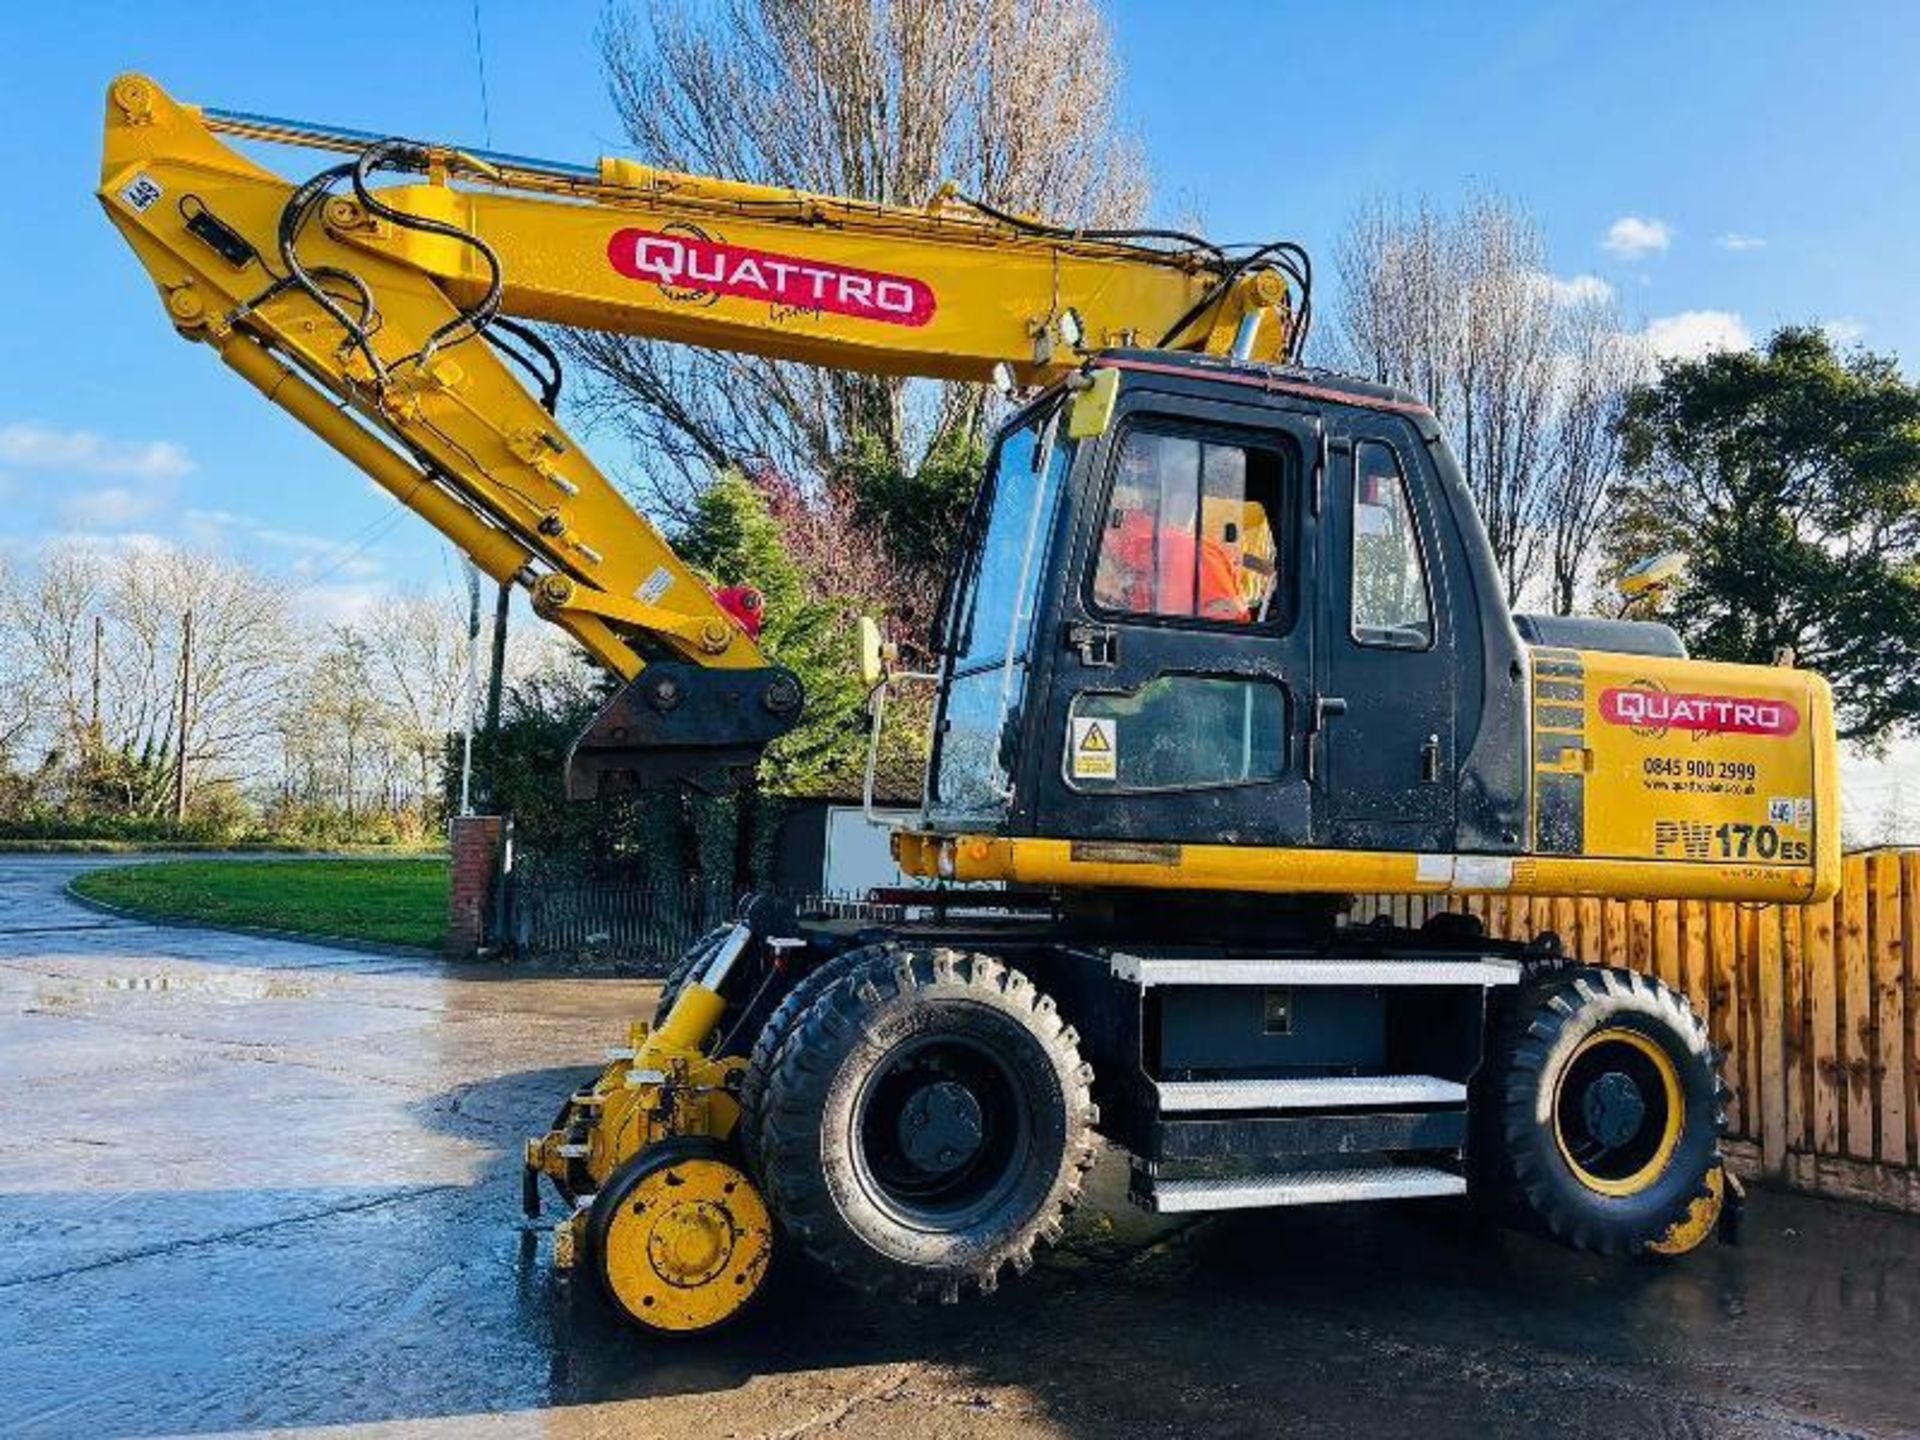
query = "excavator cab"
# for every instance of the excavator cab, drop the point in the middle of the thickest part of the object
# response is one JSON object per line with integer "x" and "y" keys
{"x": 1242, "y": 610}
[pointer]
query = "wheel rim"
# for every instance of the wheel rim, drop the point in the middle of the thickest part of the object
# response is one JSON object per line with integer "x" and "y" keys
{"x": 687, "y": 1245}
{"x": 941, "y": 1132}
{"x": 1700, "y": 1221}
{"x": 1618, "y": 1113}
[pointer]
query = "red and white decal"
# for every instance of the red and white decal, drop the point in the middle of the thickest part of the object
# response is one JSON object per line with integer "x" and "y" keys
{"x": 709, "y": 267}
{"x": 1702, "y": 714}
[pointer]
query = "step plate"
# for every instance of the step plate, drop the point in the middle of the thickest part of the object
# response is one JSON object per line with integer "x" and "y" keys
{"x": 1150, "y": 970}
{"x": 1305, "y": 1187}
{"x": 1194, "y": 1097}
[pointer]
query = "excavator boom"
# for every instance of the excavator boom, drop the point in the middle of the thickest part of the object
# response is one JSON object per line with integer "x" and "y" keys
{"x": 361, "y": 311}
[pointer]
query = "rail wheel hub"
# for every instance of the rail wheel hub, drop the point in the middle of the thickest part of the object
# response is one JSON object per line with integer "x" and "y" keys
{"x": 683, "y": 1239}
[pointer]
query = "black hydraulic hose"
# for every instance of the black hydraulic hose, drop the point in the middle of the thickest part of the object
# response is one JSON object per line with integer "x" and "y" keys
{"x": 549, "y": 377}
{"x": 293, "y": 218}
{"x": 407, "y": 155}
{"x": 1121, "y": 235}
{"x": 1292, "y": 260}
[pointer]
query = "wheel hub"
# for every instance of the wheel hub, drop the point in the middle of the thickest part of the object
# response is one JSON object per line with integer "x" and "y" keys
{"x": 940, "y": 1127}
{"x": 687, "y": 1243}
{"x": 1614, "y": 1109}
{"x": 1618, "y": 1111}
{"x": 691, "y": 1243}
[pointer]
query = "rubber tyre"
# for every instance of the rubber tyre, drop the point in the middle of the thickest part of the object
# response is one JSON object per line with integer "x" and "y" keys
{"x": 773, "y": 1035}
{"x": 686, "y": 967}
{"x": 819, "y": 1182}
{"x": 1532, "y": 1168}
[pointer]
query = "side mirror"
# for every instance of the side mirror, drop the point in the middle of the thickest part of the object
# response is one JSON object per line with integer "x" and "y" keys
{"x": 1652, "y": 575}
{"x": 876, "y": 655}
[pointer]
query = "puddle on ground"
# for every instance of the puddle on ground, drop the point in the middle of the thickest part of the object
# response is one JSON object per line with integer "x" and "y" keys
{"x": 232, "y": 985}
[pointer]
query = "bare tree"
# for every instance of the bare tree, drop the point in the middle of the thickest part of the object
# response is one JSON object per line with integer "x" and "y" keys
{"x": 48, "y": 614}
{"x": 18, "y": 703}
{"x": 1505, "y": 378}
{"x": 418, "y": 655}
{"x": 1600, "y": 365}
{"x": 882, "y": 100}
{"x": 240, "y": 649}
{"x": 1524, "y": 374}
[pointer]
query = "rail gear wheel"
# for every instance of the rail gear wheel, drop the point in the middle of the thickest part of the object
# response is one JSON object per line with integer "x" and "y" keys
{"x": 773, "y": 1035}
{"x": 686, "y": 967}
{"x": 928, "y": 1121}
{"x": 680, "y": 1237}
{"x": 1610, "y": 1110}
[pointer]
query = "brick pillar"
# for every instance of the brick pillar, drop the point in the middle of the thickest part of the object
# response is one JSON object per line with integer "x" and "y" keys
{"x": 474, "y": 841}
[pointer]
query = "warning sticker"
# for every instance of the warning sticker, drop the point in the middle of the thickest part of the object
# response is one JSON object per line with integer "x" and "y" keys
{"x": 1095, "y": 742}
{"x": 654, "y": 586}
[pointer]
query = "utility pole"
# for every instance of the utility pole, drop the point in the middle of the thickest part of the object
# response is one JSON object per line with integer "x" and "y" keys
{"x": 93, "y": 719}
{"x": 473, "y": 685}
{"x": 496, "y": 680}
{"x": 180, "y": 732}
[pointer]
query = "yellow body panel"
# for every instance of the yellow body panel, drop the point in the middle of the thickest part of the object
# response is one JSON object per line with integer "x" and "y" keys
{"x": 1686, "y": 763}
{"x": 1734, "y": 797}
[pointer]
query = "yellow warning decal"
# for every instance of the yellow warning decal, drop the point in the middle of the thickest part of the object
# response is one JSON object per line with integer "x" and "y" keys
{"x": 1094, "y": 744}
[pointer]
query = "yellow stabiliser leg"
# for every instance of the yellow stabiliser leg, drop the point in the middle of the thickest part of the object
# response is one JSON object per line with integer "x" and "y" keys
{"x": 675, "y": 1229}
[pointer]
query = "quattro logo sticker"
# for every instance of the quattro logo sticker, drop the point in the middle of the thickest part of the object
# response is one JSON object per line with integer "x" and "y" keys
{"x": 1657, "y": 711}
{"x": 695, "y": 267}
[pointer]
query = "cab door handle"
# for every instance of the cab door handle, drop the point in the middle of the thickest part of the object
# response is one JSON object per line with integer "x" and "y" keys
{"x": 1430, "y": 761}
{"x": 1325, "y": 707}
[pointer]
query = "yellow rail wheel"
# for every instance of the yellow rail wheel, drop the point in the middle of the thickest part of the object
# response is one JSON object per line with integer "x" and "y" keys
{"x": 1610, "y": 1108}
{"x": 680, "y": 1237}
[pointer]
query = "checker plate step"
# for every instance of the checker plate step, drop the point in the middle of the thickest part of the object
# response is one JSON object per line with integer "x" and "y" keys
{"x": 1300, "y": 1187}
{"x": 1191, "y": 1097}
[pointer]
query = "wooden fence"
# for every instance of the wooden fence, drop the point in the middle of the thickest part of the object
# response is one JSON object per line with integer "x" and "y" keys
{"x": 1817, "y": 1007}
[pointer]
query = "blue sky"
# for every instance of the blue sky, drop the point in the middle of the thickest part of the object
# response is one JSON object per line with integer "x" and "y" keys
{"x": 1766, "y": 153}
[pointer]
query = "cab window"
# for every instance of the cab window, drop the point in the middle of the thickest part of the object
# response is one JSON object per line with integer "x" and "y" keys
{"x": 1193, "y": 530}
{"x": 1391, "y": 606}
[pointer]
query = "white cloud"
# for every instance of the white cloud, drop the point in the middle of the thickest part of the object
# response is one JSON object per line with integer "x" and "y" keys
{"x": 32, "y": 445}
{"x": 350, "y": 604}
{"x": 1844, "y": 331}
{"x": 1579, "y": 289}
{"x": 112, "y": 507}
{"x": 1632, "y": 237}
{"x": 1693, "y": 333}
{"x": 1734, "y": 240}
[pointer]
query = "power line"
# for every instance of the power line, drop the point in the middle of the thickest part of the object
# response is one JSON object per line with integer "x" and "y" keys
{"x": 480, "y": 64}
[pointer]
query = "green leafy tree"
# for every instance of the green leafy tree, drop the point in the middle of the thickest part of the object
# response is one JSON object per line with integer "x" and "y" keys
{"x": 1790, "y": 477}
{"x": 735, "y": 537}
{"x": 917, "y": 515}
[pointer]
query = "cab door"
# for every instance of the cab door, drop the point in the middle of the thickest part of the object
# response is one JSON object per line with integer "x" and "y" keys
{"x": 1381, "y": 735}
{"x": 1183, "y": 656}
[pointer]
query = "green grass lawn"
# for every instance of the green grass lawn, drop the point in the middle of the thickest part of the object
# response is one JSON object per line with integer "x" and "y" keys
{"x": 395, "y": 902}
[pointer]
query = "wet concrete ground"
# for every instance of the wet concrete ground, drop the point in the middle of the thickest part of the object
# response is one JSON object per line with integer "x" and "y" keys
{"x": 252, "y": 1184}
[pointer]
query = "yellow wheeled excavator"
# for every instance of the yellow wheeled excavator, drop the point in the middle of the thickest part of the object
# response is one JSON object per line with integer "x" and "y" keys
{"x": 1225, "y": 646}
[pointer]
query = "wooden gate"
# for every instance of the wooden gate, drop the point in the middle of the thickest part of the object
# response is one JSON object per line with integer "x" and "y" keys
{"x": 1817, "y": 1007}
